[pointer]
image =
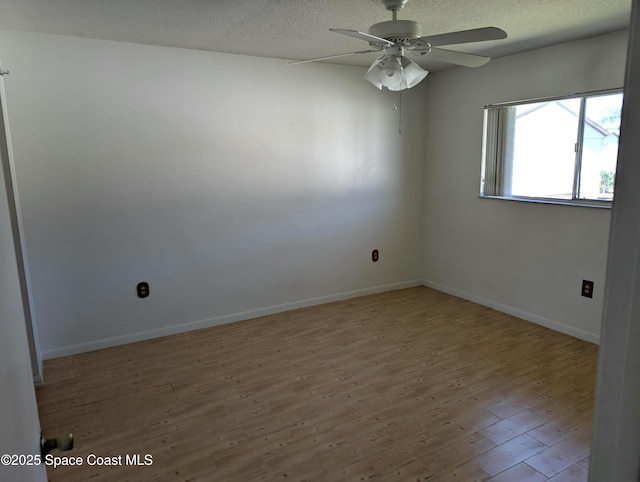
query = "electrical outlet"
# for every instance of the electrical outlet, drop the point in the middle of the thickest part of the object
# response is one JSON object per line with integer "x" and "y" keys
{"x": 143, "y": 289}
{"x": 587, "y": 288}
{"x": 374, "y": 255}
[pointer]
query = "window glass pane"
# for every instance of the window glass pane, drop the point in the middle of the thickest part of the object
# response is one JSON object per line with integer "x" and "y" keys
{"x": 544, "y": 158}
{"x": 600, "y": 146}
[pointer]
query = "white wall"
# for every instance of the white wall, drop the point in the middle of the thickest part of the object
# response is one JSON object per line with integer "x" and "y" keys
{"x": 20, "y": 428}
{"x": 523, "y": 258}
{"x": 234, "y": 185}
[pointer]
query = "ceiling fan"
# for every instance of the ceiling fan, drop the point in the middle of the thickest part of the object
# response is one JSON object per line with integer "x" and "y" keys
{"x": 394, "y": 70}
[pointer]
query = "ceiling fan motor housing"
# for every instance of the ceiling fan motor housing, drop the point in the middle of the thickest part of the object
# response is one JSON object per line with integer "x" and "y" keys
{"x": 397, "y": 31}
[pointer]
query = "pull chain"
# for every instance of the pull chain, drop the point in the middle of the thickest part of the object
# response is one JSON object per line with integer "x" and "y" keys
{"x": 398, "y": 106}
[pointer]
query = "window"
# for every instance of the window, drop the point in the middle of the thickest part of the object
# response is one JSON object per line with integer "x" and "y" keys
{"x": 560, "y": 150}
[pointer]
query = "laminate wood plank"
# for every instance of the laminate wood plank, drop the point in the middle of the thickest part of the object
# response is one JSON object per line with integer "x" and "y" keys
{"x": 508, "y": 454}
{"x": 575, "y": 473}
{"x": 560, "y": 427}
{"x": 467, "y": 472}
{"x": 516, "y": 402}
{"x": 562, "y": 455}
{"x": 468, "y": 447}
{"x": 519, "y": 473}
{"x": 511, "y": 427}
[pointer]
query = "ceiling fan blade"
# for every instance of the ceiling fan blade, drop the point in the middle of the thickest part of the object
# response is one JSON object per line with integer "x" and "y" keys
{"x": 333, "y": 56}
{"x": 460, "y": 37}
{"x": 457, "y": 58}
{"x": 372, "y": 39}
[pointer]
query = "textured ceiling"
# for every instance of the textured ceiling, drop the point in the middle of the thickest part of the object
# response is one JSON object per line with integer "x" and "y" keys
{"x": 298, "y": 29}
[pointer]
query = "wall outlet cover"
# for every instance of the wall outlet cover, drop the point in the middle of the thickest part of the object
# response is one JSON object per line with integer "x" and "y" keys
{"x": 587, "y": 288}
{"x": 143, "y": 289}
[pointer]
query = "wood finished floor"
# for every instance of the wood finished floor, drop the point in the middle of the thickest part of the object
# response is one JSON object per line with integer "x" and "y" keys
{"x": 410, "y": 385}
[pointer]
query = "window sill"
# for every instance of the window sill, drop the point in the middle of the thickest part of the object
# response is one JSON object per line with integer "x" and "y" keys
{"x": 561, "y": 202}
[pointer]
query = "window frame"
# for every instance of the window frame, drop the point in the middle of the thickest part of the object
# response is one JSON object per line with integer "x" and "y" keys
{"x": 582, "y": 96}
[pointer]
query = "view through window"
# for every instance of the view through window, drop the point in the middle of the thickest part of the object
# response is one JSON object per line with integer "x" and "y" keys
{"x": 562, "y": 149}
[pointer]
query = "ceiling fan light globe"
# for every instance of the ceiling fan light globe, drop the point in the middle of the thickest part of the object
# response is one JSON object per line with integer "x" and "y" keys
{"x": 395, "y": 84}
{"x": 392, "y": 82}
{"x": 412, "y": 72}
{"x": 390, "y": 71}
{"x": 402, "y": 85}
{"x": 372, "y": 75}
{"x": 395, "y": 73}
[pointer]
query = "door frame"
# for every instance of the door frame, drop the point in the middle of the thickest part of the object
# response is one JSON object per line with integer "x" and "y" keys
{"x": 8, "y": 168}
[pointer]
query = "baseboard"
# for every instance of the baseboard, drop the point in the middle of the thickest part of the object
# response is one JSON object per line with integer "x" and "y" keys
{"x": 221, "y": 320}
{"x": 510, "y": 310}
